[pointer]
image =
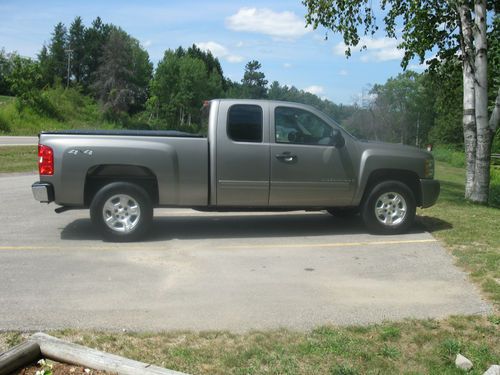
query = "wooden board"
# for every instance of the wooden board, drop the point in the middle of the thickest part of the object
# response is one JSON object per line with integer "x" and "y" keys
{"x": 62, "y": 351}
{"x": 19, "y": 356}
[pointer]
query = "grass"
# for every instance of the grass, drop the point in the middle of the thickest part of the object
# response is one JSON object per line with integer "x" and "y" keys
{"x": 18, "y": 159}
{"x": 70, "y": 110}
{"x": 408, "y": 347}
{"x": 470, "y": 232}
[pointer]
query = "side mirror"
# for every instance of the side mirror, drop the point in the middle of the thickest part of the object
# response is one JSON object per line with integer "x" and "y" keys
{"x": 337, "y": 140}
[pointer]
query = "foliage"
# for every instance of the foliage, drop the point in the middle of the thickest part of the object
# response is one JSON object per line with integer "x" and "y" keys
{"x": 446, "y": 83}
{"x": 54, "y": 57}
{"x": 5, "y": 71}
{"x": 45, "y": 368}
{"x": 254, "y": 81}
{"x": 95, "y": 38}
{"x": 26, "y": 82}
{"x": 180, "y": 85}
{"x": 122, "y": 78}
{"x": 76, "y": 44}
{"x": 74, "y": 111}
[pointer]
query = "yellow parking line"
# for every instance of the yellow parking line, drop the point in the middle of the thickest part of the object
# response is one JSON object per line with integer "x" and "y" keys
{"x": 336, "y": 244}
{"x": 254, "y": 246}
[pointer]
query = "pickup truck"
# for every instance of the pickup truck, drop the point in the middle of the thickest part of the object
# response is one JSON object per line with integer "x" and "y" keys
{"x": 257, "y": 155}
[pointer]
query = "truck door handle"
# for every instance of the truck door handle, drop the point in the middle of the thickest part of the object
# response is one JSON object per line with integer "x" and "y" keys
{"x": 286, "y": 157}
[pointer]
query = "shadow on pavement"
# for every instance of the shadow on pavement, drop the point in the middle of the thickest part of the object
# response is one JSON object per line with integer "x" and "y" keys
{"x": 234, "y": 226}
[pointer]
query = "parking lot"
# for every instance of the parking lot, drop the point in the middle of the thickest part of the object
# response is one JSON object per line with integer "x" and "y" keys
{"x": 205, "y": 271}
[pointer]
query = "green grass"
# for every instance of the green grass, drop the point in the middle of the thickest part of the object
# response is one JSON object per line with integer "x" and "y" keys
{"x": 411, "y": 347}
{"x": 470, "y": 232}
{"x": 70, "y": 108}
{"x": 5, "y": 99}
{"x": 18, "y": 159}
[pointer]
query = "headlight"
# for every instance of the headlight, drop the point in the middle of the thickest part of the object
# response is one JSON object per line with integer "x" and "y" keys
{"x": 429, "y": 168}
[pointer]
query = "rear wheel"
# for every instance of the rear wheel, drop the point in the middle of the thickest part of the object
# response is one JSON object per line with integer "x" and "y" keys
{"x": 389, "y": 208}
{"x": 121, "y": 211}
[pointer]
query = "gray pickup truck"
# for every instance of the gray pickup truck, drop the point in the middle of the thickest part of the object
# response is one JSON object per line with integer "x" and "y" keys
{"x": 256, "y": 155}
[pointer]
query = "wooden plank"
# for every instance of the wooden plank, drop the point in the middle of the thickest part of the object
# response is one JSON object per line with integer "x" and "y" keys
{"x": 62, "y": 351}
{"x": 19, "y": 356}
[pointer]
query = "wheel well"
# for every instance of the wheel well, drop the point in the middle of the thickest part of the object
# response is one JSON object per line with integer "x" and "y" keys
{"x": 408, "y": 178}
{"x": 101, "y": 175}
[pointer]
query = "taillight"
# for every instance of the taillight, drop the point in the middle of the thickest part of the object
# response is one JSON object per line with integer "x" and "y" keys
{"x": 45, "y": 160}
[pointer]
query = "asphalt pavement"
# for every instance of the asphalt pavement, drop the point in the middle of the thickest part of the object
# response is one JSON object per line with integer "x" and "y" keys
{"x": 206, "y": 271}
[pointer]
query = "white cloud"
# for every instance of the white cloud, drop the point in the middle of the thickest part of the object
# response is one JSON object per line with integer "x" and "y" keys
{"x": 315, "y": 89}
{"x": 265, "y": 21}
{"x": 218, "y": 50}
{"x": 147, "y": 43}
{"x": 377, "y": 49}
{"x": 287, "y": 65}
{"x": 343, "y": 72}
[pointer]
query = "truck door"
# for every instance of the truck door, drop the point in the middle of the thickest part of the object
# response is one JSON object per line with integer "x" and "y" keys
{"x": 306, "y": 170}
{"x": 242, "y": 154}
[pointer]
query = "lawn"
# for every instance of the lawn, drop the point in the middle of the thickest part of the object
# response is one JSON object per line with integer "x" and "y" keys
{"x": 18, "y": 159}
{"x": 409, "y": 347}
{"x": 470, "y": 232}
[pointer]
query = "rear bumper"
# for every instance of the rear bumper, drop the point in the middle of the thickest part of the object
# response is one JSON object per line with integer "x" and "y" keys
{"x": 430, "y": 192}
{"x": 43, "y": 192}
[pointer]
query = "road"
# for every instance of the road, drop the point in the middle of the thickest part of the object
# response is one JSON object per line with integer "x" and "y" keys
{"x": 18, "y": 141}
{"x": 208, "y": 271}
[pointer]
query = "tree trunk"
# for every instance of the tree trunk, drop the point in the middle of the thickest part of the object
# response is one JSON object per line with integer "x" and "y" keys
{"x": 469, "y": 118}
{"x": 480, "y": 191}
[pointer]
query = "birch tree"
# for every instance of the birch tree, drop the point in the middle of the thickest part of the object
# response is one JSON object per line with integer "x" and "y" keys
{"x": 449, "y": 26}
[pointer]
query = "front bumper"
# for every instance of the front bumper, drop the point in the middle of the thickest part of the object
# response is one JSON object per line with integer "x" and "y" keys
{"x": 43, "y": 192}
{"x": 430, "y": 192}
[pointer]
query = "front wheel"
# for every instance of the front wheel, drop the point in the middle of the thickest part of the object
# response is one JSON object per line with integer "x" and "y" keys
{"x": 389, "y": 208}
{"x": 121, "y": 211}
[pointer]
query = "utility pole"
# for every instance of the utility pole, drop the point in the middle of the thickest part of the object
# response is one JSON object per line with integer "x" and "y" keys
{"x": 70, "y": 53}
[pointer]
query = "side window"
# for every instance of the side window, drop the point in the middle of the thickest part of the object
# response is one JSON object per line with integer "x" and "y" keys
{"x": 294, "y": 125}
{"x": 244, "y": 123}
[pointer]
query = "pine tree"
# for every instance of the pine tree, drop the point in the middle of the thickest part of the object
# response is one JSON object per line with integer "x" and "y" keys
{"x": 254, "y": 82}
{"x": 76, "y": 43}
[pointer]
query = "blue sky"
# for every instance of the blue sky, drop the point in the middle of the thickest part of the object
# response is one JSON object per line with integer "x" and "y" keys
{"x": 272, "y": 32}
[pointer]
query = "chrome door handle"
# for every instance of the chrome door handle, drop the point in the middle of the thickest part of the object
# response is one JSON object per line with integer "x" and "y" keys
{"x": 287, "y": 157}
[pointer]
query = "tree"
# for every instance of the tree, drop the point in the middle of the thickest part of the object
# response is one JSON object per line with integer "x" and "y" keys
{"x": 95, "y": 37}
{"x": 123, "y": 75}
{"x": 254, "y": 82}
{"x": 402, "y": 109}
{"x": 179, "y": 87}
{"x": 56, "y": 69}
{"x": 445, "y": 80}
{"x": 449, "y": 26}
{"x": 76, "y": 43}
{"x": 5, "y": 71}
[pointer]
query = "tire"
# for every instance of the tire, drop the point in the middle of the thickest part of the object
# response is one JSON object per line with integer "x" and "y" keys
{"x": 121, "y": 211}
{"x": 389, "y": 208}
{"x": 343, "y": 212}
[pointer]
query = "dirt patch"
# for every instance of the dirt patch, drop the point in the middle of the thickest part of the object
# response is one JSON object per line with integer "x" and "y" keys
{"x": 61, "y": 369}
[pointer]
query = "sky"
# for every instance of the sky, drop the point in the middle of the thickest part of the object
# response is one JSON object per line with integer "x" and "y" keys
{"x": 272, "y": 32}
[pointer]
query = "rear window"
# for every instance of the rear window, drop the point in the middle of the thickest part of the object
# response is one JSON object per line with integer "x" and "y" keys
{"x": 244, "y": 123}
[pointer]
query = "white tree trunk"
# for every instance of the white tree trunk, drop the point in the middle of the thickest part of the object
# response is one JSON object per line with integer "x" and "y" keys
{"x": 480, "y": 190}
{"x": 469, "y": 102}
